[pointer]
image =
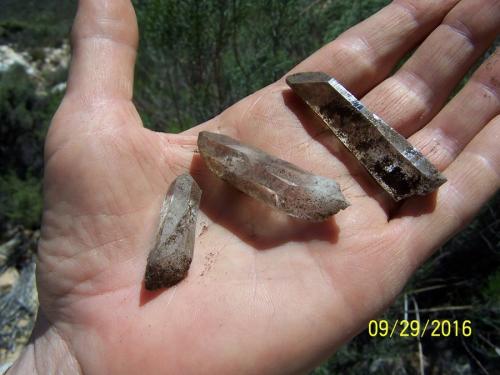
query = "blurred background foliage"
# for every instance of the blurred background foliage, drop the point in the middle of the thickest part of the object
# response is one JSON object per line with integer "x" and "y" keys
{"x": 24, "y": 119}
{"x": 35, "y": 23}
{"x": 196, "y": 58}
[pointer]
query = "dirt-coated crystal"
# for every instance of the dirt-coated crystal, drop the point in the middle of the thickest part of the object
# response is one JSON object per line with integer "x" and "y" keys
{"x": 392, "y": 161}
{"x": 276, "y": 182}
{"x": 170, "y": 258}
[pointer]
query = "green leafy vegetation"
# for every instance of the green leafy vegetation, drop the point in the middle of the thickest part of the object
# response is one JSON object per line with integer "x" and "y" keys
{"x": 33, "y": 23}
{"x": 20, "y": 200}
{"x": 198, "y": 57}
{"x": 24, "y": 118}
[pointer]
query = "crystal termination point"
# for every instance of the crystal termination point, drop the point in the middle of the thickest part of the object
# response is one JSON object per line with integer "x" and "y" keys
{"x": 170, "y": 258}
{"x": 276, "y": 182}
{"x": 391, "y": 160}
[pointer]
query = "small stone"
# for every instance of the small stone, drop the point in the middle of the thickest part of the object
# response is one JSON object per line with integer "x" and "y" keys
{"x": 391, "y": 160}
{"x": 171, "y": 256}
{"x": 8, "y": 279}
{"x": 275, "y": 182}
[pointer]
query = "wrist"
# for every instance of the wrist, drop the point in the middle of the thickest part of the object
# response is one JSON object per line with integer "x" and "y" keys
{"x": 46, "y": 353}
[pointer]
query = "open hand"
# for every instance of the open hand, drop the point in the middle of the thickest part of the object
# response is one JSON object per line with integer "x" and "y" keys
{"x": 266, "y": 294}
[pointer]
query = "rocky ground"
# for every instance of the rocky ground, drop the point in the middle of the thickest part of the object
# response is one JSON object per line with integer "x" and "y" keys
{"x": 40, "y": 63}
{"x": 18, "y": 295}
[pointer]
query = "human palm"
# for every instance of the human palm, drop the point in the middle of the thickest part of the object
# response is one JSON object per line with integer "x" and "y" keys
{"x": 265, "y": 293}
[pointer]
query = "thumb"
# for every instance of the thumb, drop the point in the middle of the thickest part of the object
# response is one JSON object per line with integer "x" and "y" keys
{"x": 104, "y": 40}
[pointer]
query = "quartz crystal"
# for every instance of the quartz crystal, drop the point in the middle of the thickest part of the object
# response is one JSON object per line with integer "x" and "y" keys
{"x": 276, "y": 182}
{"x": 392, "y": 161}
{"x": 170, "y": 258}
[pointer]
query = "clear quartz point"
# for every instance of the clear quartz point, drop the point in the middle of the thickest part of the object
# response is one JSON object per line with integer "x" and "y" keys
{"x": 276, "y": 182}
{"x": 170, "y": 258}
{"x": 390, "y": 159}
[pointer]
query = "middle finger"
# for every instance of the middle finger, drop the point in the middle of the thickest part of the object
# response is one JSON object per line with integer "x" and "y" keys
{"x": 410, "y": 98}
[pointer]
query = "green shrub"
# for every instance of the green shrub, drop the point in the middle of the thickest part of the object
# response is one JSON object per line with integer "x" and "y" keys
{"x": 21, "y": 200}
{"x": 190, "y": 69}
{"x": 40, "y": 23}
{"x": 492, "y": 289}
{"x": 24, "y": 119}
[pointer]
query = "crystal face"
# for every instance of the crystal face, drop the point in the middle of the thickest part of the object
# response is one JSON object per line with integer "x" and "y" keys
{"x": 170, "y": 258}
{"x": 390, "y": 159}
{"x": 275, "y": 182}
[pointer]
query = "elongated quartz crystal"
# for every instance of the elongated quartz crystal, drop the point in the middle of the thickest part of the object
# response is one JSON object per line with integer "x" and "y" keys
{"x": 170, "y": 258}
{"x": 392, "y": 161}
{"x": 274, "y": 181}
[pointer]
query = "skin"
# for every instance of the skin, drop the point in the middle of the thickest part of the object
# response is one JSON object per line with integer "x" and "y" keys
{"x": 265, "y": 294}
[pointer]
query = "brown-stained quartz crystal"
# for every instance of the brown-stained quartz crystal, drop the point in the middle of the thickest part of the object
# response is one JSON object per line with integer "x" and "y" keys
{"x": 276, "y": 182}
{"x": 172, "y": 253}
{"x": 392, "y": 161}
